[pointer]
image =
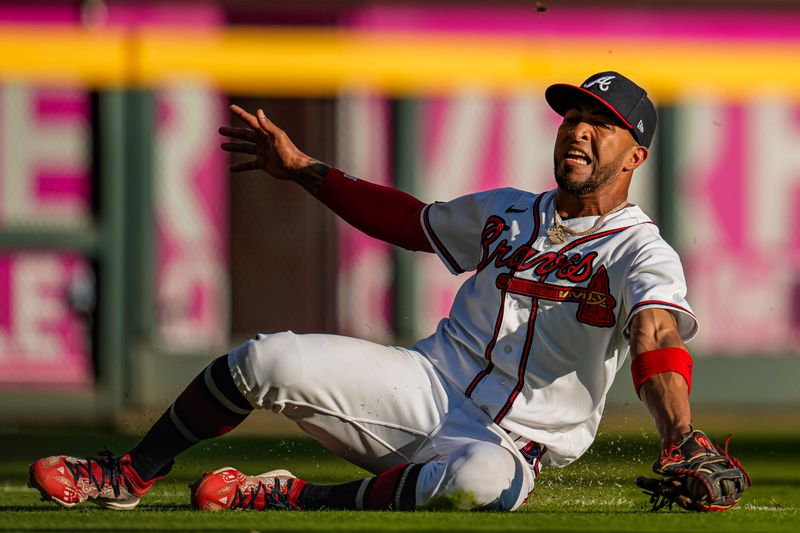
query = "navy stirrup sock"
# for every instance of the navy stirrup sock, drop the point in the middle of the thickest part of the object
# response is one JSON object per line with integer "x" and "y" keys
{"x": 394, "y": 489}
{"x": 209, "y": 407}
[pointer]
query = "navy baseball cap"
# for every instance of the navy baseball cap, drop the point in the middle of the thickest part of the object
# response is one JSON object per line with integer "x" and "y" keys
{"x": 626, "y": 100}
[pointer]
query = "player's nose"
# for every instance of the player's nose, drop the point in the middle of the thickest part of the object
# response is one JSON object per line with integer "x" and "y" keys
{"x": 580, "y": 131}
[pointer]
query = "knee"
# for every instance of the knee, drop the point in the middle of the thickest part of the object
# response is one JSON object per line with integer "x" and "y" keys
{"x": 265, "y": 364}
{"x": 484, "y": 477}
{"x": 484, "y": 474}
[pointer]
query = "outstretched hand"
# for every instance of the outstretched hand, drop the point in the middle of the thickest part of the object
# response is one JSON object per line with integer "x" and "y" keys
{"x": 273, "y": 150}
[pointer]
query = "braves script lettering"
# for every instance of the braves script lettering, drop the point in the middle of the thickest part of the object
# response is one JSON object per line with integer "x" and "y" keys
{"x": 575, "y": 267}
{"x": 595, "y": 302}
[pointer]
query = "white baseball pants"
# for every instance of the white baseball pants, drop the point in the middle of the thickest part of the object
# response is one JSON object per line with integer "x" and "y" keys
{"x": 381, "y": 406}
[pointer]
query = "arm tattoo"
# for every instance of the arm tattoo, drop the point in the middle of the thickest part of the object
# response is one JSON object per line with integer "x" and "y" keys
{"x": 310, "y": 177}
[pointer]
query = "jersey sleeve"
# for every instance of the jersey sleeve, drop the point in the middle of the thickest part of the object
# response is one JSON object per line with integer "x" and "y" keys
{"x": 656, "y": 280}
{"x": 454, "y": 229}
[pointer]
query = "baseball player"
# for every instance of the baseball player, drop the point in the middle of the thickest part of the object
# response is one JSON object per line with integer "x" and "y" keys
{"x": 564, "y": 285}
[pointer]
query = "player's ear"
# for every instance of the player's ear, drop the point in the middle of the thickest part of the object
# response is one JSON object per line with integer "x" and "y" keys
{"x": 636, "y": 156}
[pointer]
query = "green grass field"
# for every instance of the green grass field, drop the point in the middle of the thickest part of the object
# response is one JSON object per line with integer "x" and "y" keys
{"x": 594, "y": 494}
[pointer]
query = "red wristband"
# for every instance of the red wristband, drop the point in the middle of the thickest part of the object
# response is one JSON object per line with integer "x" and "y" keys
{"x": 647, "y": 364}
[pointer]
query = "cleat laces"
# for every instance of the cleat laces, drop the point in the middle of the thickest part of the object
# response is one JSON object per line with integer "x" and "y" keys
{"x": 274, "y": 498}
{"x": 110, "y": 468}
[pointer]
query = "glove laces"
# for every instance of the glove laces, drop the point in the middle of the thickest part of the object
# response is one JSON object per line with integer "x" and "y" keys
{"x": 735, "y": 462}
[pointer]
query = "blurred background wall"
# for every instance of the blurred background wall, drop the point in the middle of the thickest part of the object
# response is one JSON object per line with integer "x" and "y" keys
{"x": 129, "y": 257}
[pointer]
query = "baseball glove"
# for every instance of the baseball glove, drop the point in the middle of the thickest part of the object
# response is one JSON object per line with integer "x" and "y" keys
{"x": 696, "y": 476}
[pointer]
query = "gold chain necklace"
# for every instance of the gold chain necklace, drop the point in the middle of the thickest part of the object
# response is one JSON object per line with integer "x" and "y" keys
{"x": 558, "y": 231}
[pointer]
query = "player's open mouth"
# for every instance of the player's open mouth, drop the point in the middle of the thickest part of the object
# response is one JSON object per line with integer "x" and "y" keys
{"x": 578, "y": 157}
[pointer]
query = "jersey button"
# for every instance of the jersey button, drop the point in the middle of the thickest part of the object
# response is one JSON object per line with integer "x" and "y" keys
{"x": 507, "y": 349}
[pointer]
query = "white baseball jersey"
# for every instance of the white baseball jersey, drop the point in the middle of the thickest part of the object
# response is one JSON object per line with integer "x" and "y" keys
{"x": 536, "y": 335}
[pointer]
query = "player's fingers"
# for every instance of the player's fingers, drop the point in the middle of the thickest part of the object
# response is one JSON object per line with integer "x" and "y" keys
{"x": 243, "y": 167}
{"x": 241, "y": 148}
{"x": 265, "y": 123}
{"x": 248, "y": 118}
{"x": 244, "y": 134}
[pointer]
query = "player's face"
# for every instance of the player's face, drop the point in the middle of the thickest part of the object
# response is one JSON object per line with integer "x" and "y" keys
{"x": 591, "y": 146}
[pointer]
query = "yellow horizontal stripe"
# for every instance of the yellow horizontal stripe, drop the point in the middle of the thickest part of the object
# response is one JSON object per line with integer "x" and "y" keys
{"x": 63, "y": 55}
{"x": 269, "y": 61}
{"x": 294, "y": 62}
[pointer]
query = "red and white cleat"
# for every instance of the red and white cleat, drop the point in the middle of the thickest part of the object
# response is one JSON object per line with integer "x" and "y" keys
{"x": 227, "y": 488}
{"x": 108, "y": 481}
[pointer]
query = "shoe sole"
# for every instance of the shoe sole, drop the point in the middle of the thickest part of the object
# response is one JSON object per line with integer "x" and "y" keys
{"x": 105, "y": 504}
{"x": 45, "y": 498}
{"x": 279, "y": 472}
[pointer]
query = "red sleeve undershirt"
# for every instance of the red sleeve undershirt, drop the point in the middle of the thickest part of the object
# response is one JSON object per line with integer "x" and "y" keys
{"x": 380, "y": 212}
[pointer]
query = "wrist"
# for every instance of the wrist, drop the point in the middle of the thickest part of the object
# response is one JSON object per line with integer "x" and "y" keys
{"x": 675, "y": 435}
{"x": 311, "y": 175}
{"x": 301, "y": 162}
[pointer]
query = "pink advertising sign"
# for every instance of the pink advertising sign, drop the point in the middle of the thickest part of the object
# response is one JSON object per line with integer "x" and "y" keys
{"x": 43, "y": 339}
{"x": 740, "y": 214}
{"x": 364, "y": 279}
{"x": 45, "y": 183}
{"x": 45, "y": 158}
{"x": 191, "y": 195}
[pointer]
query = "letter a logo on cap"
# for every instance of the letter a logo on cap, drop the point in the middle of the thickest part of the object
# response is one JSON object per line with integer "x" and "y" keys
{"x": 640, "y": 126}
{"x": 603, "y": 83}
